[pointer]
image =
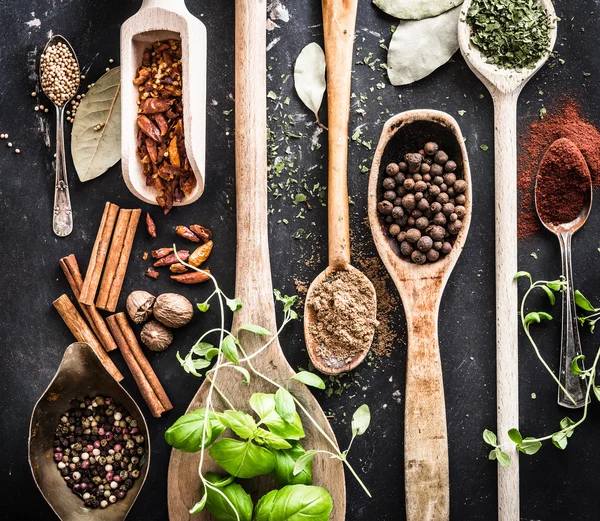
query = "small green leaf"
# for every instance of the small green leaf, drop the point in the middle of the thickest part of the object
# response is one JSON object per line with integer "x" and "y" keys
{"x": 575, "y": 369}
{"x": 550, "y": 294}
{"x": 560, "y": 440}
{"x": 532, "y": 317}
{"x": 221, "y": 482}
{"x": 503, "y": 458}
{"x": 556, "y": 285}
{"x": 493, "y": 454}
{"x": 256, "y": 329}
{"x": 284, "y": 405}
{"x": 265, "y": 437}
{"x": 304, "y": 461}
{"x": 201, "y": 348}
{"x": 361, "y": 420}
{"x": 230, "y": 349}
{"x": 198, "y": 507}
{"x": 529, "y": 446}
{"x": 515, "y": 436}
{"x": 544, "y": 316}
{"x": 484, "y": 147}
{"x": 287, "y": 302}
{"x": 234, "y": 304}
{"x": 242, "y": 459}
{"x": 521, "y": 274}
{"x": 583, "y": 302}
{"x": 244, "y": 371}
{"x": 596, "y": 389}
{"x": 239, "y": 422}
{"x": 204, "y": 307}
{"x": 308, "y": 378}
{"x": 490, "y": 438}
{"x": 565, "y": 423}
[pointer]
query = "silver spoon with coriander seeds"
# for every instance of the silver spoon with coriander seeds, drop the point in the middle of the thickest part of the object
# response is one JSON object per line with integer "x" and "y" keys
{"x": 505, "y": 56}
{"x": 59, "y": 78}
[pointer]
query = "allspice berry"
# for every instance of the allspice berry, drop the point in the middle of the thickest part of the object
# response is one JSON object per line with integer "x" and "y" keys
{"x": 431, "y": 148}
{"x": 392, "y": 169}
{"x": 173, "y": 310}
{"x": 155, "y": 336}
{"x": 139, "y": 306}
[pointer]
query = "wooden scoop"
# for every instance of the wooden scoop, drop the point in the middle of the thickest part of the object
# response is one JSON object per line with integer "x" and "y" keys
{"x": 160, "y": 20}
{"x": 421, "y": 288}
{"x": 253, "y": 284}
{"x": 505, "y": 86}
{"x": 80, "y": 375}
{"x": 339, "y": 19}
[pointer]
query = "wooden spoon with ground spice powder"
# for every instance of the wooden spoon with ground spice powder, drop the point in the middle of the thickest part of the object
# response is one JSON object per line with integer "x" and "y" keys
{"x": 421, "y": 287}
{"x": 341, "y": 305}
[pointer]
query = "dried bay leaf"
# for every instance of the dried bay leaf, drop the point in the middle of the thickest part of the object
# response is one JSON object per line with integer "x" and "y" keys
{"x": 95, "y": 151}
{"x": 418, "y": 47}
{"x": 309, "y": 77}
{"x": 416, "y": 9}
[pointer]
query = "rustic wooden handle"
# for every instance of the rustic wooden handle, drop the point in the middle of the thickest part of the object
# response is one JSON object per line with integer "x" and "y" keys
{"x": 507, "y": 320}
{"x": 253, "y": 271}
{"x": 427, "y": 482}
{"x": 339, "y": 19}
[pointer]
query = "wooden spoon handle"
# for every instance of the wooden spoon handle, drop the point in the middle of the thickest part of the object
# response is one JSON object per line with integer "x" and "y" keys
{"x": 339, "y": 20}
{"x": 507, "y": 321}
{"x": 253, "y": 271}
{"x": 425, "y": 437}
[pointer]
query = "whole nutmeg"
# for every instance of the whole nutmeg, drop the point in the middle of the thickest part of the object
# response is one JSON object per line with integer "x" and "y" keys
{"x": 139, "y": 306}
{"x": 155, "y": 336}
{"x": 173, "y": 310}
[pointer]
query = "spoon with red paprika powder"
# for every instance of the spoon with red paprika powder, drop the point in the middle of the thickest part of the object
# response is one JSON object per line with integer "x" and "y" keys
{"x": 563, "y": 199}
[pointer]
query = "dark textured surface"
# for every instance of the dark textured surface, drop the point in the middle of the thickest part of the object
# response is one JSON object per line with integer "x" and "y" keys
{"x": 554, "y": 485}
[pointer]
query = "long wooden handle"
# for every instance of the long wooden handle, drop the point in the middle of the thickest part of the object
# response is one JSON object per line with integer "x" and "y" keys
{"x": 507, "y": 322}
{"x": 339, "y": 20}
{"x": 427, "y": 482}
{"x": 253, "y": 273}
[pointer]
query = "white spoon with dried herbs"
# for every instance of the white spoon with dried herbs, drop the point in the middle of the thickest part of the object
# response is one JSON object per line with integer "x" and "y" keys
{"x": 59, "y": 77}
{"x": 486, "y": 47}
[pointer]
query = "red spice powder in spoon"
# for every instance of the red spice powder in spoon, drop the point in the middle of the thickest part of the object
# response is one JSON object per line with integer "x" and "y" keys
{"x": 563, "y": 183}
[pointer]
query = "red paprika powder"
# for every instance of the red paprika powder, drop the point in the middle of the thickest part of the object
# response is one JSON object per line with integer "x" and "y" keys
{"x": 563, "y": 183}
{"x": 563, "y": 121}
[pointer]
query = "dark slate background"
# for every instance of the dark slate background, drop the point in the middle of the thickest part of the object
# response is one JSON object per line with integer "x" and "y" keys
{"x": 555, "y": 485}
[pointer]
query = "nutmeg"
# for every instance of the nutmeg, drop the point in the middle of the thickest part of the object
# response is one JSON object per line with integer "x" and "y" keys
{"x": 155, "y": 336}
{"x": 139, "y": 306}
{"x": 173, "y": 310}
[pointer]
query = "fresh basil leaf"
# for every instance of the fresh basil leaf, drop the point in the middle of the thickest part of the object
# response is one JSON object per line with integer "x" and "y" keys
{"x": 529, "y": 446}
{"x": 305, "y": 461}
{"x": 503, "y": 459}
{"x": 284, "y": 405}
{"x": 544, "y": 316}
{"x": 203, "y": 306}
{"x": 490, "y": 438}
{"x": 186, "y": 433}
{"x": 242, "y": 459}
{"x": 285, "y": 463}
{"x": 575, "y": 369}
{"x": 308, "y": 378}
{"x": 265, "y": 437}
{"x": 583, "y": 302}
{"x": 218, "y": 481}
{"x": 187, "y": 363}
{"x": 201, "y": 348}
{"x": 230, "y": 349}
{"x": 199, "y": 506}
{"x": 244, "y": 372}
{"x": 239, "y": 422}
{"x": 256, "y": 329}
{"x": 556, "y": 285}
{"x": 287, "y": 302}
{"x": 521, "y": 274}
{"x": 234, "y": 304}
{"x": 264, "y": 406}
{"x": 515, "y": 436}
{"x": 295, "y": 503}
{"x": 211, "y": 353}
{"x": 361, "y": 420}
{"x": 550, "y": 294}
{"x": 493, "y": 454}
{"x": 565, "y": 423}
{"x": 560, "y": 440}
{"x": 220, "y": 508}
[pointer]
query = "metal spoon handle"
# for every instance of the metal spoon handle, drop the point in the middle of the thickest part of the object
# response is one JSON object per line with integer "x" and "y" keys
{"x": 570, "y": 345}
{"x": 62, "y": 221}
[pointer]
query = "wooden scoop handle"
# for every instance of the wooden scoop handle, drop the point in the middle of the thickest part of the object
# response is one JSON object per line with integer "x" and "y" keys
{"x": 339, "y": 20}
{"x": 427, "y": 482}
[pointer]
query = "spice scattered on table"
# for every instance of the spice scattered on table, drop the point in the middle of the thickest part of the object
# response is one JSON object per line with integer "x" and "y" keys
{"x": 512, "y": 34}
{"x": 344, "y": 318}
{"x": 161, "y": 141}
{"x": 563, "y": 183}
{"x": 59, "y": 73}
{"x": 423, "y": 203}
{"x": 99, "y": 450}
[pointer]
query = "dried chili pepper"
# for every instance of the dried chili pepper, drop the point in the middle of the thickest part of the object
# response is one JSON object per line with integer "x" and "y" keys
{"x": 204, "y": 233}
{"x": 186, "y": 233}
{"x": 200, "y": 254}
{"x": 172, "y": 258}
{"x": 161, "y": 252}
{"x": 177, "y": 268}
{"x": 152, "y": 273}
{"x": 150, "y": 225}
{"x": 193, "y": 277}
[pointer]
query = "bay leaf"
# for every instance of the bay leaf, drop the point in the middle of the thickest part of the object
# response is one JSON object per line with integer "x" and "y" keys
{"x": 416, "y": 9}
{"x": 95, "y": 151}
{"x": 418, "y": 47}
{"x": 309, "y": 77}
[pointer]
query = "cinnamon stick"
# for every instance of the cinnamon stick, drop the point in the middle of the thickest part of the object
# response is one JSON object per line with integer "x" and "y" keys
{"x": 98, "y": 256}
{"x": 71, "y": 270}
{"x": 119, "y": 277}
{"x": 119, "y": 322}
{"x": 141, "y": 381}
{"x": 83, "y": 333}
{"x": 114, "y": 256}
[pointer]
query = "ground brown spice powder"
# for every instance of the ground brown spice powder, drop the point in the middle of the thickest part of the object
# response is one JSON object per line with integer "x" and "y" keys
{"x": 344, "y": 321}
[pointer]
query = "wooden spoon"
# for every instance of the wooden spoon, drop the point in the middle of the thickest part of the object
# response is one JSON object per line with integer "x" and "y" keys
{"x": 253, "y": 285}
{"x": 160, "y": 20}
{"x": 81, "y": 374}
{"x": 339, "y": 19}
{"x": 505, "y": 86}
{"x": 421, "y": 288}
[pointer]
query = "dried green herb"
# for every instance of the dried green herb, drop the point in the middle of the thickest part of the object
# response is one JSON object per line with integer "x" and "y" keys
{"x": 512, "y": 34}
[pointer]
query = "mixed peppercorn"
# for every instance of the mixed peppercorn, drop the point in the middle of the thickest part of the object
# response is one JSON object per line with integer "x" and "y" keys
{"x": 99, "y": 450}
{"x": 423, "y": 203}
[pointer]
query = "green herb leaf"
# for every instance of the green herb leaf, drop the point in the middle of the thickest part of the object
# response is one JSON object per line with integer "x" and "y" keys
{"x": 566, "y": 423}
{"x": 203, "y": 306}
{"x": 199, "y": 506}
{"x": 484, "y": 147}
{"x": 304, "y": 461}
{"x": 265, "y": 437}
{"x": 490, "y": 438}
{"x": 560, "y": 440}
{"x": 220, "y": 508}
{"x": 493, "y": 454}
{"x": 256, "y": 329}
{"x": 515, "y": 436}
{"x": 308, "y": 378}
{"x": 244, "y": 372}
{"x": 521, "y": 274}
{"x": 239, "y": 422}
{"x": 264, "y": 406}
{"x": 529, "y": 446}
{"x": 284, "y": 405}
{"x": 361, "y": 420}
{"x": 285, "y": 464}
{"x": 575, "y": 369}
{"x": 309, "y": 77}
{"x": 230, "y": 349}
{"x": 242, "y": 459}
{"x": 295, "y": 503}
{"x": 550, "y": 294}
{"x": 503, "y": 458}
{"x": 556, "y": 285}
{"x": 583, "y": 302}
{"x": 234, "y": 304}
{"x": 186, "y": 433}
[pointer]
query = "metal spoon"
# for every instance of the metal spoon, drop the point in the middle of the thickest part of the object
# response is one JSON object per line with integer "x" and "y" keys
{"x": 62, "y": 220}
{"x": 570, "y": 345}
{"x": 339, "y": 19}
